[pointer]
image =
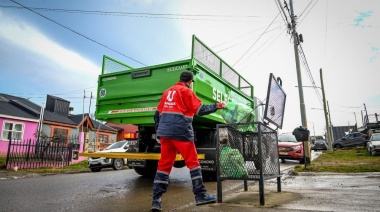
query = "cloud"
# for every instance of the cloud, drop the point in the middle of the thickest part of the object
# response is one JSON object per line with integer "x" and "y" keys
{"x": 362, "y": 17}
{"x": 25, "y": 36}
{"x": 43, "y": 66}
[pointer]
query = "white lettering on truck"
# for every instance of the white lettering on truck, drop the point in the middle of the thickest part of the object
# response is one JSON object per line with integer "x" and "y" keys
{"x": 108, "y": 79}
{"x": 176, "y": 68}
{"x": 133, "y": 110}
{"x": 219, "y": 96}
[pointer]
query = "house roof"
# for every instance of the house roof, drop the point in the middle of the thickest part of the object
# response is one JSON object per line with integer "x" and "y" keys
{"x": 21, "y": 107}
{"x": 77, "y": 119}
{"x": 8, "y": 109}
{"x": 15, "y": 106}
{"x": 26, "y": 107}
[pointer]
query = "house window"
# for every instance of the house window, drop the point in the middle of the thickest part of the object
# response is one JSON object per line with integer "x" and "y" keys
{"x": 103, "y": 138}
{"x": 60, "y": 132}
{"x": 12, "y": 130}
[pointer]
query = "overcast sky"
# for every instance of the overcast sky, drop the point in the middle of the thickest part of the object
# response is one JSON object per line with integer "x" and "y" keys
{"x": 56, "y": 47}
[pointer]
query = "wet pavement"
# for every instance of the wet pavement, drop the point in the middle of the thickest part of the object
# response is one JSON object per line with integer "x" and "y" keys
{"x": 303, "y": 192}
{"x": 306, "y": 192}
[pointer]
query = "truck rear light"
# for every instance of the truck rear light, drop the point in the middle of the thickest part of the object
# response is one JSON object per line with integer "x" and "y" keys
{"x": 130, "y": 135}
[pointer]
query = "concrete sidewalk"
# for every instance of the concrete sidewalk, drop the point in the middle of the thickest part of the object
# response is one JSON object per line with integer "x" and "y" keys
{"x": 240, "y": 200}
{"x": 305, "y": 192}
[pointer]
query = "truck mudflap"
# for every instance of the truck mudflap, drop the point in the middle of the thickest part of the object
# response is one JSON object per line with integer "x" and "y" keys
{"x": 131, "y": 163}
{"x": 208, "y": 163}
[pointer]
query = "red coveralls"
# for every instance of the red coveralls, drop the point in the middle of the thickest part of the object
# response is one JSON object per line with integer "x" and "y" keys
{"x": 174, "y": 116}
{"x": 176, "y": 109}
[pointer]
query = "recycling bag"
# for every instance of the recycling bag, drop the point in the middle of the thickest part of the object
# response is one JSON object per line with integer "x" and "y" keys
{"x": 232, "y": 163}
{"x": 235, "y": 113}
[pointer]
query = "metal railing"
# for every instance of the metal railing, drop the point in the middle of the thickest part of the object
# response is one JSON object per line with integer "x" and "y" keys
{"x": 247, "y": 151}
{"x": 44, "y": 152}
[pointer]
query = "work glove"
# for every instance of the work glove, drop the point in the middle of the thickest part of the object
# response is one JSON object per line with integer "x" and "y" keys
{"x": 221, "y": 105}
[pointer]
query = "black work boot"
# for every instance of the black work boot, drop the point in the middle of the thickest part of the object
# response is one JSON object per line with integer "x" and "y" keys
{"x": 199, "y": 189}
{"x": 160, "y": 186}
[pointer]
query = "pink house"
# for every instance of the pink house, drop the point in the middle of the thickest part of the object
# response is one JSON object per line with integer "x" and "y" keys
{"x": 21, "y": 129}
{"x": 15, "y": 123}
{"x": 22, "y": 120}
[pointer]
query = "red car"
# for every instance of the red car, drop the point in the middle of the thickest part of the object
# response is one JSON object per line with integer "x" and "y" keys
{"x": 290, "y": 148}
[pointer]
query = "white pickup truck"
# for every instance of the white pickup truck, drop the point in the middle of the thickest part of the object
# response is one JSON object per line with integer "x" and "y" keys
{"x": 96, "y": 164}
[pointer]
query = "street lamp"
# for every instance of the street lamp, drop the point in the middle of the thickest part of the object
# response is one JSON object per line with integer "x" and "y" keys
{"x": 327, "y": 112}
{"x": 329, "y": 136}
{"x": 313, "y": 127}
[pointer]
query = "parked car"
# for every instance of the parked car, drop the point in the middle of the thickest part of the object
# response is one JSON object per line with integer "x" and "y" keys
{"x": 373, "y": 144}
{"x": 96, "y": 164}
{"x": 290, "y": 148}
{"x": 319, "y": 144}
{"x": 350, "y": 140}
{"x": 316, "y": 137}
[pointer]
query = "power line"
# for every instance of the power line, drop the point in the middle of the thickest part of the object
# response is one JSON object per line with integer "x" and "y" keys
{"x": 65, "y": 94}
{"x": 240, "y": 36}
{"x": 307, "y": 8}
{"x": 261, "y": 51}
{"x": 78, "y": 33}
{"x": 307, "y": 12}
{"x": 283, "y": 14}
{"x": 134, "y": 14}
{"x": 234, "y": 39}
{"x": 347, "y": 106}
{"x": 75, "y": 91}
{"x": 308, "y": 72}
{"x": 256, "y": 40}
{"x": 244, "y": 41}
{"x": 296, "y": 40}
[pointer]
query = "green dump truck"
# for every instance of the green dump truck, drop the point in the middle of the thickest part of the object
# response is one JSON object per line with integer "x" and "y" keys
{"x": 128, "y": 95}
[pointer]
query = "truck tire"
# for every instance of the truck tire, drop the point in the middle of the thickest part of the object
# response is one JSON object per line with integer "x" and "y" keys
{"x": 117, "y": 164}
{"x": 179, "y": 164}
{"x": 209, "y": 176}
{"x": 139, "y": 171}
{"x": 149, "y": 170}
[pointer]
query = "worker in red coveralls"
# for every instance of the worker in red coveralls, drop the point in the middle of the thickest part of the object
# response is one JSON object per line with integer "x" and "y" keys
{"x": 173, "y": 118}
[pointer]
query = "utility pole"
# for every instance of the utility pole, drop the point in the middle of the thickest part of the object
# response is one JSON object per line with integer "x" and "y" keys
{"x": 84, "y": 96}
{"x": 331, "y": 126}
{"x": 313, "y": 128}
{"x": 299, "y": 78}
{"x": 89, "y": 106}
{"x": 362, "y": 117}
{"x": 328, "y": 134}
{"x": 366, "y": 114}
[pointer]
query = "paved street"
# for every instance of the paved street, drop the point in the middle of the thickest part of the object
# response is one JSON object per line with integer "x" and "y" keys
{"x": 126, "y": 191}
